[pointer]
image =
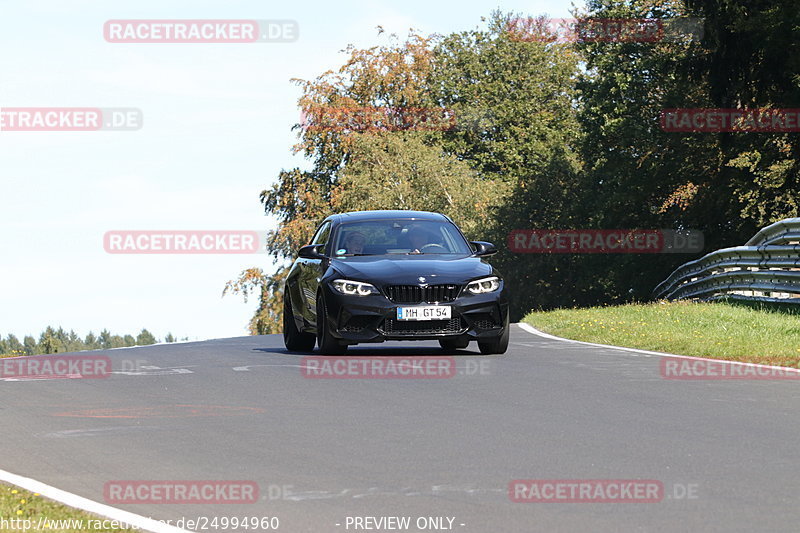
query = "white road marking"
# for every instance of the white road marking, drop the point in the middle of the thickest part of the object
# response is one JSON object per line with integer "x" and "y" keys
{"x": 248, "y": 367}
{"x": 161, "y": 372}
{"x": 92, "y": 432}
{"x": 45, "y": 378}
{"x": 435, "y": 490}
{"x": 150, "y": 370}
{"x": 85, "y": 504}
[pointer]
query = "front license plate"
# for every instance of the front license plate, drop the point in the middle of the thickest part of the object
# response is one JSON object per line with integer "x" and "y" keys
{"x": 430, "y": 312}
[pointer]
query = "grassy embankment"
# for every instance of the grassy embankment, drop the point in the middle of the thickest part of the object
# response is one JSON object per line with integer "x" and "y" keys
{"x": 18, "y": 505}
{"x": 752, "y": 333}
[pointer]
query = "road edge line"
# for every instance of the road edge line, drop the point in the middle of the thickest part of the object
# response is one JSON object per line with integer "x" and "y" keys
{"x": 90, "y": 506}
{"x": 530, "y": 329}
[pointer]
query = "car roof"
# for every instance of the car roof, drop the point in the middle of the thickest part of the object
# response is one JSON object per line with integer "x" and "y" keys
{"x": 388, "y": 214}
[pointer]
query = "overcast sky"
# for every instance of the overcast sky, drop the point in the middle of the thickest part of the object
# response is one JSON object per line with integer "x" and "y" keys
{"x": 217, "y": 130}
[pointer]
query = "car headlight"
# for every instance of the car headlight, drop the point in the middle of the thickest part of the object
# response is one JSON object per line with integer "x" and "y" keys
{"x": 354, "y": 288}
{"x": 480, "y": 286}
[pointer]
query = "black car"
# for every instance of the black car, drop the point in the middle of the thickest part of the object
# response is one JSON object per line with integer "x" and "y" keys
{"x": 371, "y": 276}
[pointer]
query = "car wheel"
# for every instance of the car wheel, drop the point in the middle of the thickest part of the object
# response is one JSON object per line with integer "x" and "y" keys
{"x": 294, "y": 339}
{"x": 327, "y": 343}
{"x": 498, "y": 345}
{"x": 451, "y": 345}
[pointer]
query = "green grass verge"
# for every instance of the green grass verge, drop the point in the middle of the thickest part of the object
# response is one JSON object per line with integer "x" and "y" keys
{"x": 730, "y": 331}
{"x": 18, "y": 505}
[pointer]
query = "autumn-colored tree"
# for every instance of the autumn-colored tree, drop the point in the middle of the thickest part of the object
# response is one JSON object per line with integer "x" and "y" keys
{"x": 377, "y": 107}
{"x": 475, "y": 125}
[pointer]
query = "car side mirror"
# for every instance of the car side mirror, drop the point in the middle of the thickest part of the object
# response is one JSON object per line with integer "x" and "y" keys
{"x": 483, "y": 249}
{"x": 312, "y": 251}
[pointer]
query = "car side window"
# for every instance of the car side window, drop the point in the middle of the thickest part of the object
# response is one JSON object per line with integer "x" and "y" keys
{"x": 322, "y": 235}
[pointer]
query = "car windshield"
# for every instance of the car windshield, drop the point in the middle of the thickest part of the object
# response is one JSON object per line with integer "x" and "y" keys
{"x": 386, "y": 237}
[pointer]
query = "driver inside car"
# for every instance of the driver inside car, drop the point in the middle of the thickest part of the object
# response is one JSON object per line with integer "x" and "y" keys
{"x": 418, "y": 238}
{"x": 354, "y": 243}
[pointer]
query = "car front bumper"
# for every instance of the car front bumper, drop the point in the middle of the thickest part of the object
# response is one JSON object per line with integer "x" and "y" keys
{"x": 373, "y": 318}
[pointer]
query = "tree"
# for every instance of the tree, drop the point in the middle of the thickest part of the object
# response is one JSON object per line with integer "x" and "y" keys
{"x": 401, "y": 171}
{"x": 637, "y": 175}
{"x": 48, "y": 342}
{"x": 387, "y": 81}
{"x": 104, "y": 339}
{"x": 91, "y": 341}
{"x": 510, "y": 139}
{"x": 752, "y": 61}
{"x": 549, "y": 135}
{"x": 267, "y": 318}
{"x": 519, "y": 101}
{"x": 12, "y": 345}
{"x": 144, "y": 338}
{"x": 116, "y": 341}
{"x": 73, "y": 342}
{"x": 29, "y": 344}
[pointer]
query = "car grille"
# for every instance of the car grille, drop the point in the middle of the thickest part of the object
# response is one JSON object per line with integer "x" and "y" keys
{"x": 414, "y": 294}
{"x": 413, "y": 327}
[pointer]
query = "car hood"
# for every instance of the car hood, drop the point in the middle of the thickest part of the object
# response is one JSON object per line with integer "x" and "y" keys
{"x": 407, "y": 269}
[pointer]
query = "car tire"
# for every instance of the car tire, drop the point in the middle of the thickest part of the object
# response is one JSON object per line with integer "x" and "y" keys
{"x": 497, "y": 345}
{"x": 294, "y": 339}
{"x": 451, "y": 345}
{"x": 328, "y": 344}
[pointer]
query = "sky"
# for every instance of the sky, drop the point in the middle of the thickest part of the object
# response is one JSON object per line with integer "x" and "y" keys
{"x": 216, "y": 131}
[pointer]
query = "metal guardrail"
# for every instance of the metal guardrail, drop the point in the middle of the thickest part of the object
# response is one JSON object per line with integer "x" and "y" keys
{"x": 766, "y": 268}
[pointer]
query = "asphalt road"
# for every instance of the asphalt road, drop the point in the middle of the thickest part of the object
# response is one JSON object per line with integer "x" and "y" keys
{"x": 323, "y": 450}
